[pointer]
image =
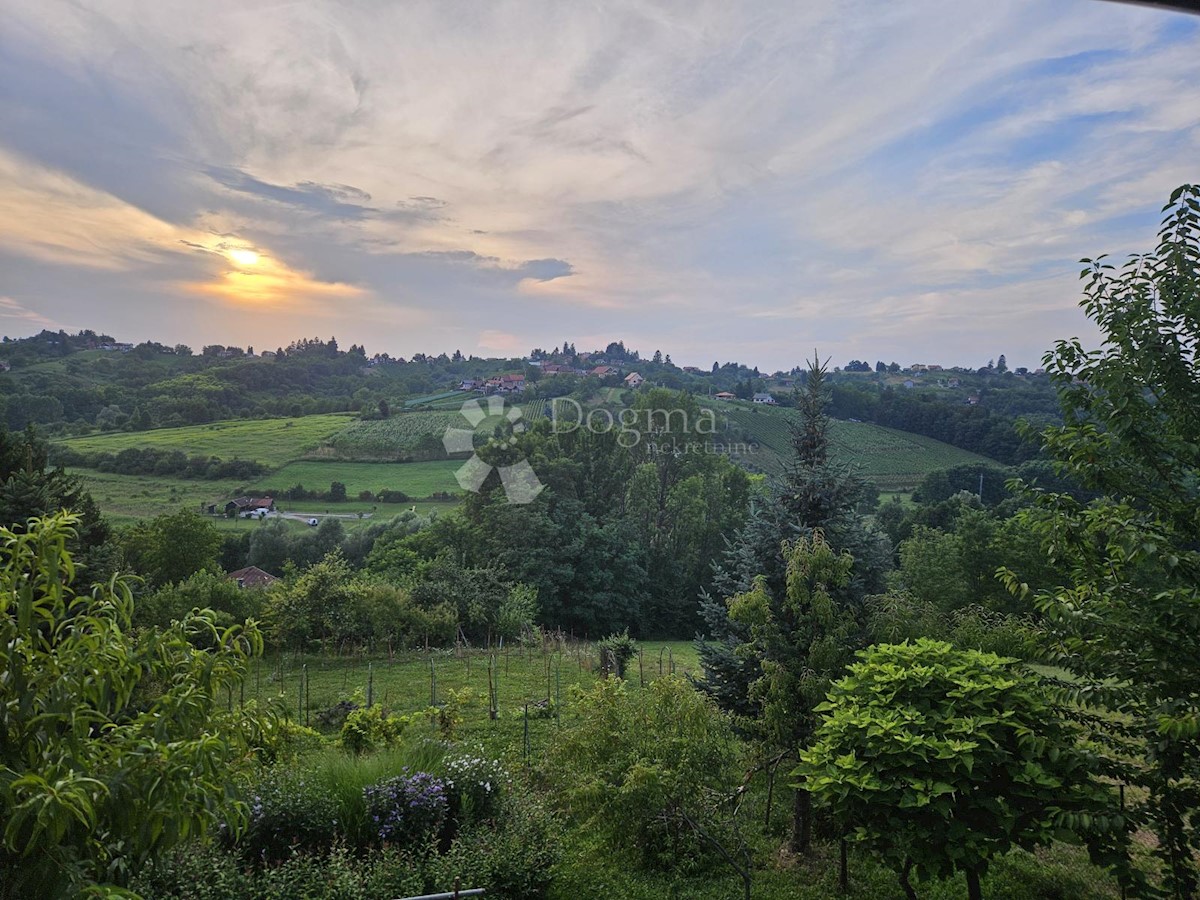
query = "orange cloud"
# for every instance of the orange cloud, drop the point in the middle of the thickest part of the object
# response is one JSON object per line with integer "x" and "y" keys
{"x": 270, "y": 283}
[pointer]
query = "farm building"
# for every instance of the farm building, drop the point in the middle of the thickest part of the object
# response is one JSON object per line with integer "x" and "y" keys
{"x": 252, "y": 577}
{"x": 249, "y": 505}
{"x": 725, "y": 395}
{"x": 764, "y": 398}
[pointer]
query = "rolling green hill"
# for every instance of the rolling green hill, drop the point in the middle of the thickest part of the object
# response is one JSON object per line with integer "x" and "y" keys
{"x": 892, "y": 460}
{"x": 272, "y": 442}
{"x": 315, "y": 451}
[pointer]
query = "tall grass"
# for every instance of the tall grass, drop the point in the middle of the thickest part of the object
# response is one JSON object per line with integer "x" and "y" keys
{"x": 343, "y": 776}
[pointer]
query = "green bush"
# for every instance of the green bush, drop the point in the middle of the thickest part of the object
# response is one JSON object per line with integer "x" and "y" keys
{"x": 114, "y": 745}
{"x": 616, "y": 650}
{"x": 512, "y": 857}
{"x": 634, "y": 765}
{"x": 289, "y": 809}
{"x": 371, "y": 729}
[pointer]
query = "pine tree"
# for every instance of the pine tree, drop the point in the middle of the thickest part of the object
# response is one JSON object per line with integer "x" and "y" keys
{"x": 816, "y": 497}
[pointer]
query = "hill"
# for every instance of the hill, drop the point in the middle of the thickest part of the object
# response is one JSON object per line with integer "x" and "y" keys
{"x": 892, "y": 460}
{"x": 403, "y": 457}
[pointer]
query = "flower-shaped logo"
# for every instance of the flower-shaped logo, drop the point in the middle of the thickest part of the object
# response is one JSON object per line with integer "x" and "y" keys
{"x": 521, "y": 484}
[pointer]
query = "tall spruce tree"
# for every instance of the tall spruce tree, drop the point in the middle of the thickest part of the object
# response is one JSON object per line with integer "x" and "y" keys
{"x": 750, "y": 659}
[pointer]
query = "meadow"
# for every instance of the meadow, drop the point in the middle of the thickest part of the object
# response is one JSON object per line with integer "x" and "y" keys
{"x": 126, "y": 498}
{"x": 417, "y": 479}
{"x": 272, "y": 442}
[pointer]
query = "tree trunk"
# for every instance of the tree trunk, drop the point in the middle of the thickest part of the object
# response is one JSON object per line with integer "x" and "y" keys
{"x": 802, "y": 822}
{"x": 905, "y": 884}
{"x": 973, "y": 890}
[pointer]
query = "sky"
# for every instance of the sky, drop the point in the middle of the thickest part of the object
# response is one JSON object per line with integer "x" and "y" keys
{"x": 722, "y": 181}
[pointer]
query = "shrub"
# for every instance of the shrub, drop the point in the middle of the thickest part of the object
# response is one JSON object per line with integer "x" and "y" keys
{"x": 371, "y": 728}
{"x": 514, "y": 857}
{"x": 288, "y": 809}
{"x": 615, "y": 651}
{"x": 407, "y": 810}
{"x": 113, "y": 745}
{"x": 636, "y": 765}
{"x": 285, "y": 741}
{"x": 475, "y": 783}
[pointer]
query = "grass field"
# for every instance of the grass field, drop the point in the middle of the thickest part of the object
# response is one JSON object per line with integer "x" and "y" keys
{"x": 893, "y": 460}
{"x": 272, "y": 442}
{"x": 417, "y": 479}
{"x": 126, "y": 498}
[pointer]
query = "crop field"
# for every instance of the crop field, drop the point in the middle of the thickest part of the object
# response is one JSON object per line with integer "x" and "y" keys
{"x": 404, "y": 684}
{"x": 893, "y": 460}
{"x": 391, "y": 438}
{"x": 417, "y": 479}
{"x": 533, "y": 410}
{"x": 444, "y": 400}
{"x": 272, "y": 442}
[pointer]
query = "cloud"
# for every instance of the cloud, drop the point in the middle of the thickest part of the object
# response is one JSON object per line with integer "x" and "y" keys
{"x": 335, "y": 200}
{"x": 11, "y": 310}
{"x": 740, "y": 179}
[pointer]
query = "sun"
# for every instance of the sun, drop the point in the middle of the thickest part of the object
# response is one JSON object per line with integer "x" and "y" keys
{"x": 242, "y": 256}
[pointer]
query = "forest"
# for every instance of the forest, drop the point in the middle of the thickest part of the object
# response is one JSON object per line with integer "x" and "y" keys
{"x": 666, "y": 675}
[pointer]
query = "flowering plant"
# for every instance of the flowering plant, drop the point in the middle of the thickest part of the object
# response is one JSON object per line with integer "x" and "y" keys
{"x": 407, "y": 809}
{"x": 475, "y": 783}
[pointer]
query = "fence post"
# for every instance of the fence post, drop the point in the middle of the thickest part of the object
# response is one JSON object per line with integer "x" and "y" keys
{"x": 432, "y": 684}
{"x": 370, "y": 685}
{"x": 526, "y": 742}
{"x": 641, "y": 671}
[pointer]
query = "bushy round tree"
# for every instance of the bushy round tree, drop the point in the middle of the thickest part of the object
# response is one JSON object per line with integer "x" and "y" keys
{"x": 942, "y": 759}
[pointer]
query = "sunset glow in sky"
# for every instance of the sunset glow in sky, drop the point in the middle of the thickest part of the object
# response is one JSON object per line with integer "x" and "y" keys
{"x": 722, "y": 181}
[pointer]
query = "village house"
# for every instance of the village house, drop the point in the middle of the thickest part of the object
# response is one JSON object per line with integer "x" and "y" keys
{"x": 250, "y": 507}
{"x": 252, "y": 577}
{"x": 766, "y": 399}
{"x": 603, "y": 372}
{"x": 505, "y": 384}
{"x": 725, "y": 395}
{"x": 634, "y": 380}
